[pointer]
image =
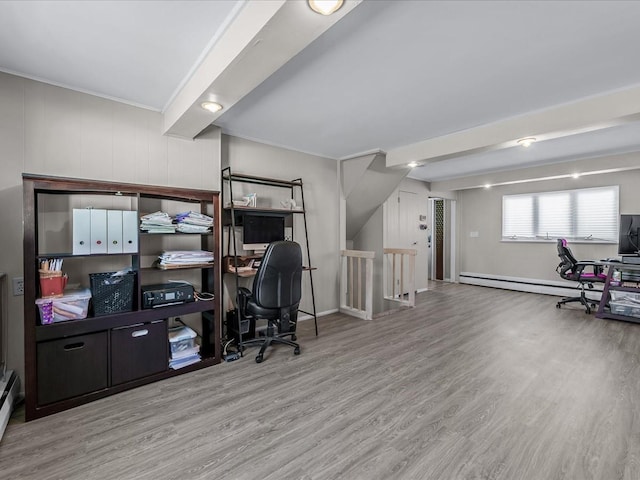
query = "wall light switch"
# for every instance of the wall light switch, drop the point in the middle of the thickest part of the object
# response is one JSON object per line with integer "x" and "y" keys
{"x": 474, "y": 234}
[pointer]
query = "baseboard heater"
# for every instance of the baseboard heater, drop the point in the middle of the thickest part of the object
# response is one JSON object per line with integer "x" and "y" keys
{"x": 9, "y": 389}
{"x": 531, "y": 285}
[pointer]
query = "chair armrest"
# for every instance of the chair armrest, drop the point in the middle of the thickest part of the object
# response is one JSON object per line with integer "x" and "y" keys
{"x": 596, "y": 266}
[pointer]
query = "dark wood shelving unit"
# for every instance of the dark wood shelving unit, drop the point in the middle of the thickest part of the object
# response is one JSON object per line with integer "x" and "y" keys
{"x": 42, "y": 380}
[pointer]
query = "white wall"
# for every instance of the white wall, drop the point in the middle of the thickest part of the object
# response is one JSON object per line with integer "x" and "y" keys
{"x": 321, "y": 194}
{"x": 480, "y": 210}
{"x": 54, "y": 131}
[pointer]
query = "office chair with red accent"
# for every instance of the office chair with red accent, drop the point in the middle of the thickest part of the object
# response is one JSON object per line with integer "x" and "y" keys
{"x": 571, "y": 269}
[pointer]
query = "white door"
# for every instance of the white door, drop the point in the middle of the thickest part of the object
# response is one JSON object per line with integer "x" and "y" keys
{"x": 407, "y": 219}
{"x": 412, "y": 214}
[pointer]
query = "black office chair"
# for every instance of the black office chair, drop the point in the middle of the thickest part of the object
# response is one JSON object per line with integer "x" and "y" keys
{"x": 276, "y": 296}
{"x": 571, "y": 269}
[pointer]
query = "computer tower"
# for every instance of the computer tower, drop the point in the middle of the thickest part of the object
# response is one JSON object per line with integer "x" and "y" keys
{"x": 247, "y": 326}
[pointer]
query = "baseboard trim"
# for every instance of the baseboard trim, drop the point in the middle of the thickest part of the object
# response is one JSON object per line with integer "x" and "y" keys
{"x": 318, "y": 314}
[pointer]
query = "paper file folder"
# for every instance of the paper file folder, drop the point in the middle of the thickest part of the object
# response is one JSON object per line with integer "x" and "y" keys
{"x": 98, "y": 231}
{"x": 129, "y": 231}
{"x": 81, "y": 231}
{"x": 114, "y": 231}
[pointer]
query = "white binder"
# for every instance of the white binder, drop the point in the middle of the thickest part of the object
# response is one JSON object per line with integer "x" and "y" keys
{"x": 130, "y": 231}
{"x": 98, "y": 230}
{"x": 114, "y": 231}
{"x": 81, "y": 231}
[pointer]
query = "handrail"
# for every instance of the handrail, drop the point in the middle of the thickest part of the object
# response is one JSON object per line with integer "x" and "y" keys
{"x": 352, "y": 289}
{"x": 407, "y": 255}
{"x": 358, "y": 253}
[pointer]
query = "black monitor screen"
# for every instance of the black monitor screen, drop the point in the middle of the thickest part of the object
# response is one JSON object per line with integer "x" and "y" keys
{"x": 262, "y": 229}
{"x": 629, "y": 229}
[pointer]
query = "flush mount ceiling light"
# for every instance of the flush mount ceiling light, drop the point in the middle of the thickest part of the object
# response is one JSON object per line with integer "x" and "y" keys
{"x": 412, "y": 164}
{"x": 575, "y": 175}
{"x": 525, "y": 142}
{"x": 325, "y": 7}
{"x": 213, "y": 107}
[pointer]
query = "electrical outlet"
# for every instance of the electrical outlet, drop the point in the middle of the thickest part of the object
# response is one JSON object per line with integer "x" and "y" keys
{"x": 18, "y": 286}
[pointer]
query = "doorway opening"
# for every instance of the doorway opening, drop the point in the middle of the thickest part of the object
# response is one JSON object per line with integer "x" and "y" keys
{"x": 442, "y": 240}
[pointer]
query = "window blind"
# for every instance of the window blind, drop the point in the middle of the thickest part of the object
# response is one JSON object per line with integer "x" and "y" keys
{"x": 588, "y": 214}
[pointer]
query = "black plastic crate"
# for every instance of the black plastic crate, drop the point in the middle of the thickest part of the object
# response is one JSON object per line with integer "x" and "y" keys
{"x": 112, "y": 293}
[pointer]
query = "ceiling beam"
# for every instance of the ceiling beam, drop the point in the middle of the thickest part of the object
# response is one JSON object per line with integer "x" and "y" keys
{"x": 263, "y": 37}
{"x": 589, "y": 114}
{"x": 577, "y": 168}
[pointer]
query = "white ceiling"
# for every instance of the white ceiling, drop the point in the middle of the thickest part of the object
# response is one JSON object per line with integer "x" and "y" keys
{"x": 397, "y": 76}
{"x": 139, "y": 52}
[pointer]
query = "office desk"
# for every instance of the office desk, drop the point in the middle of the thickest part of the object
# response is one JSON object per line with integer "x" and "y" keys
{"x": 621, "y": 294}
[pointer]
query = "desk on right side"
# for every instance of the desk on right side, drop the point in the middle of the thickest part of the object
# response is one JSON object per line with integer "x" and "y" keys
{"x": 621, "y": 295}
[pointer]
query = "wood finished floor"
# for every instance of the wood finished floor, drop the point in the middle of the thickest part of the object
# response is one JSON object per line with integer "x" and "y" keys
{"x": 474, "y": 383}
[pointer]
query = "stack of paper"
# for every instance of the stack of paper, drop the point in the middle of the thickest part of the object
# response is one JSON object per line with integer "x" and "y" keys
{"x": 179, "y": 360}
{"x": 194, "y": 222}
{"x": 185, "y": 258}
{"x": 184, "y": 350}
{"x": 157, "y": 222}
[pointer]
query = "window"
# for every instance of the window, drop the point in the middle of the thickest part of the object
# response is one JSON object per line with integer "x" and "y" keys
{"x": 588, "y": 214}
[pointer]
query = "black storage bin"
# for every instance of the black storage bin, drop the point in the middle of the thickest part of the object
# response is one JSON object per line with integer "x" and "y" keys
{"x": 72, "y": 366}
{"x": 112, "y": 293}
{"x": 138, "y": 351}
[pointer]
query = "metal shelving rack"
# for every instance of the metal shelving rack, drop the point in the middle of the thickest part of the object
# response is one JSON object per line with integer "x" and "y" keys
{"x": 234, "y": 212}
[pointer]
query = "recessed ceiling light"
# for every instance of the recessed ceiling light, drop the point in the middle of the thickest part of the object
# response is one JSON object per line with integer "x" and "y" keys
{"x": 412, "y": 164}
{"x": 525, "y": 142}
{"x": 487, "y": 185}
{"x": 576, "y": 175}
{"x": 325, "y": 7}
{"x": 213, "y": 107}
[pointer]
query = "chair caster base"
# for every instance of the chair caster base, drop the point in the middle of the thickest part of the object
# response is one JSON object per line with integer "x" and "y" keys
{"x": 296, "y": 351}
{"x": 259, "y": 358}
{"x": 558, "y": 305}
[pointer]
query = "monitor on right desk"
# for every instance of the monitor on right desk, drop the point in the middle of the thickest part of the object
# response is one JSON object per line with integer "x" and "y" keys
{"x": 629, "y": 241}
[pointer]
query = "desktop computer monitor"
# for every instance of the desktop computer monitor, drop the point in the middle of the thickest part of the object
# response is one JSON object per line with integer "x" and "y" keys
{"x": 628, "y": 242}
{"x": 258, "y": 231}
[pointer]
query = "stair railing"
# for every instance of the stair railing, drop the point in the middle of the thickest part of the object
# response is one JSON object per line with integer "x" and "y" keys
{"x": 403, "y": 287}
{"x": 357, "y": 283}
